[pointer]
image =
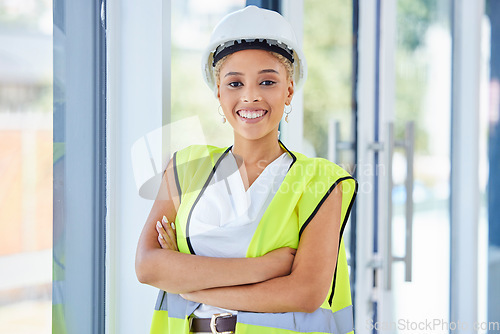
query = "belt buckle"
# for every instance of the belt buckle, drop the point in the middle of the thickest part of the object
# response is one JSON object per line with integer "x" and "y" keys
{"x": 213, "y": 322}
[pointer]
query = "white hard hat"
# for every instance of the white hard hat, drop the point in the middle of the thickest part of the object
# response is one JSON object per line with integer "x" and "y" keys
{"x": 253, "y": 28}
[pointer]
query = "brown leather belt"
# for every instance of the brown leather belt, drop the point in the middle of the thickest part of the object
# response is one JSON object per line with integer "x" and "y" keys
{"x": 220, "y": 323}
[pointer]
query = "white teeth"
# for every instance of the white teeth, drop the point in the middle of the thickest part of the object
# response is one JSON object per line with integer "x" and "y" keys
{"x": 251, "y": 114}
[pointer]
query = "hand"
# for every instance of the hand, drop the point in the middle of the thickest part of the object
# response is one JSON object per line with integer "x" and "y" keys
{"x": 166, "y": 234}
{"x": 279, "y": 262}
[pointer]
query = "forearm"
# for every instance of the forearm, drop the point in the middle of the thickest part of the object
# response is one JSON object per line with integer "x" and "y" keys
{"x": 290, "y": 293}
{"x": 178, "y": 273}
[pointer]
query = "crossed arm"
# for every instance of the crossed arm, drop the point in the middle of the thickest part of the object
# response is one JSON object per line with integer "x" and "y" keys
{"x": 275, "y": 282}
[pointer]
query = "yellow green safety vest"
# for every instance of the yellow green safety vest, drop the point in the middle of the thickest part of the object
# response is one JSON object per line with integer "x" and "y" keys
{"x": 306, "y": 185}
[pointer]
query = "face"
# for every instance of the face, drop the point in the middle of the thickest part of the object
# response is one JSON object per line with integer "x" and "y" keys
{"x": 253, "y": 90}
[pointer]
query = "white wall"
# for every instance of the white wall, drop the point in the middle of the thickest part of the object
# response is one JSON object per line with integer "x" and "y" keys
{"x": 134, "y": 43}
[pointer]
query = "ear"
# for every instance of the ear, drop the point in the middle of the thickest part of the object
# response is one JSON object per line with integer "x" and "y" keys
{"x": 218, "y": 91}
{"x": 291, "y": 91}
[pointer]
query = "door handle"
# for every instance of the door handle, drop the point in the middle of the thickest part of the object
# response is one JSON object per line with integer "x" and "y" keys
{"x": 335, "y": 144}
{"x": 408, "y": 145}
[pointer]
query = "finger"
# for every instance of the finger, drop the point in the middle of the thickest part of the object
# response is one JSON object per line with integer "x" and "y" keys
{"x": 165, "y": 242}
{"x": 161, "y": 232}
{"x": 170, "y": 230}
{"x": 168, "y": 226}
{"x": 175, "y": 235}
{"x": 161, "y": 241}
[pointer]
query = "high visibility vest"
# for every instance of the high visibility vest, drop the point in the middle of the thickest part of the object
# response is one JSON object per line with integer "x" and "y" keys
{"x": 306, "y": 185}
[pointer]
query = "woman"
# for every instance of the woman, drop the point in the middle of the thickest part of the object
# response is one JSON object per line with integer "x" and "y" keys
{"x": 247, "y": 238}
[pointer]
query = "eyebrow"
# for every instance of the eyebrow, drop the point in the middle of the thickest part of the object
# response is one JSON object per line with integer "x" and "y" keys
{"x": 268, "y": 70}
{"x": 233, "y": 73}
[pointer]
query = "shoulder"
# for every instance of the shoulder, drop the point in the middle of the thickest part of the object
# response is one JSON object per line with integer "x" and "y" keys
{"x": 193, "y": 164}
{"x": 318, "y": 167}
{"x": 199, "y": 150}
{"x": 321, "y": 174}
{"x": 198, "y": 153}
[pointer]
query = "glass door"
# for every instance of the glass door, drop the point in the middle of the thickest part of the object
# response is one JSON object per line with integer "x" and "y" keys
{"x": 423, "y": 67}
{"x": 404, "y": 114}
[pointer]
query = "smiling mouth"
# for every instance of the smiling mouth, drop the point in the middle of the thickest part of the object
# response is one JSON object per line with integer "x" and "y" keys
{"x": 251, "y": 114}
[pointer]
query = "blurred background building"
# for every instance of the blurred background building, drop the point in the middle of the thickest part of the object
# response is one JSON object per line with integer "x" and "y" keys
{"x": 25, "y": 166}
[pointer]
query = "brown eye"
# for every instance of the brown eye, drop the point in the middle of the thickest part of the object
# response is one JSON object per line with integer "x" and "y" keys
{"x": 235, "y": 84}
{"x": 267, "y": 83}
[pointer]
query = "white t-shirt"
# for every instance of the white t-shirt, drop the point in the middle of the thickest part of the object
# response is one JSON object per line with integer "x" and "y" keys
{"x": 226, "y": 216}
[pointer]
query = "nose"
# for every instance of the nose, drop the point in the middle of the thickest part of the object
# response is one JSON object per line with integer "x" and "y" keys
{"x": 251, "y": 94}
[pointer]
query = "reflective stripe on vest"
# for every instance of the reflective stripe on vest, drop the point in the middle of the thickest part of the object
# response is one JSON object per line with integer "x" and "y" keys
{"x": 306, "y": 186}
{"x": 322, "y": 320}
{"x": 176, "y": 306}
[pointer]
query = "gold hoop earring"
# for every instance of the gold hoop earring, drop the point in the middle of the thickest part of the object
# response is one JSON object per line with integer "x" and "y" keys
{"x": 287, "y": 112}
{"x": 223, "y": 117}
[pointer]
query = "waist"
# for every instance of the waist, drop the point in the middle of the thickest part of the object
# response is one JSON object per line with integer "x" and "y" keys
{"x": 219, "y": 323}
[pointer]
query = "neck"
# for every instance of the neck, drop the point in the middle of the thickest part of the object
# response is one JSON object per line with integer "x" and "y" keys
{"x": 254, "y": 151}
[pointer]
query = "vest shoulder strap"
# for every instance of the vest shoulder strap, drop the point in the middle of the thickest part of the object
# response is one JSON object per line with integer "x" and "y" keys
{"x": 319, "y": 177}
{"x": 193, "y": 165}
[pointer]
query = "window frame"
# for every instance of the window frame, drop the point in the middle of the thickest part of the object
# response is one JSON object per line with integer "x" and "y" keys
{"x": 80, "y": 172}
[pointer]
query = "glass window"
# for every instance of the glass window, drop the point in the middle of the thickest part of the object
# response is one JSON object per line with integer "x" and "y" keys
{"x": 25, "y": 166}
{"x": 328, "y": 41}
{"x": 192, "y": 24}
